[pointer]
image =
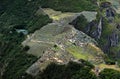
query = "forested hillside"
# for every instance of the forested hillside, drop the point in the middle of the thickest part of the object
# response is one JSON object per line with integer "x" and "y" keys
{"x": 17, "y": 14}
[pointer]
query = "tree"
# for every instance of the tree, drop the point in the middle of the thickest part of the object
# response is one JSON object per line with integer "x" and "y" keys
{"x": 72, "y": 70}
{"x": 109, "y": 74}
{"x": 80, "y": 23}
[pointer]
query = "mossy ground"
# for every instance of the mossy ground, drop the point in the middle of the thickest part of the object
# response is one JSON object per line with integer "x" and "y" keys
{"x": 78, "y": 52}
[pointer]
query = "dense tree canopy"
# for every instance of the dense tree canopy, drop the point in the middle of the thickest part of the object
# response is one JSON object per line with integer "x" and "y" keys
{"x": 109, "y": 74}
{"x": 70, "y": 5}
{"x": 72, "y": 70}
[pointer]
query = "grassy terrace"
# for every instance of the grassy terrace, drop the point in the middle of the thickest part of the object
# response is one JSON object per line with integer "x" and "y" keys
{"x": 77, "y": 52}
{"x": 90, "y": 52}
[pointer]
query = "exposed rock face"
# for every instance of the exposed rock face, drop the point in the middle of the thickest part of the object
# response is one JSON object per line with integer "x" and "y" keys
{"x": 113, "y": 39}
{"x": 89, "y": 15}
{"x": 93, "y": 28}
{"x": 118, "y": 26}
{"x": 116, "y": 5}
{"x": 90, "y": 26}
{"x": 98, "y": 31}
{"x": 110, "y": 14}
{"x": 110, "y": 11}
{"x": 105, "y": 4}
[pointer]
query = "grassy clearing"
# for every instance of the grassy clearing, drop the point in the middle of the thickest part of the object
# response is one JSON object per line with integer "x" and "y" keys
{"x": 78, "y": 52}
{"x": 94, "y": 50}
{"x": 103, "y": 66}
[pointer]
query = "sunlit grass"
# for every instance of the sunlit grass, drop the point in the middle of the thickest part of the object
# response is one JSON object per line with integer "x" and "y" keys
{"x": 78, "y": 52}
{"x": 57, "y": 15}
{"x": 103, "y": 66}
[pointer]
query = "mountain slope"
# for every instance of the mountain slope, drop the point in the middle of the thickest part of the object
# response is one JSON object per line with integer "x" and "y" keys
{"x": 60, "y": 42}
{"x": 31, "y": 37}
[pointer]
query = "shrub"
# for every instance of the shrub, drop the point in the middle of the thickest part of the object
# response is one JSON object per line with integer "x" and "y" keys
{"x": 109, "y": 74}
{"x": 26, "y": 48}
{"x": 72, "y": 70}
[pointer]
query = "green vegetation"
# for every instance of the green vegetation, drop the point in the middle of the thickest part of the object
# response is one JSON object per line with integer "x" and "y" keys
{"x": 21, "y": 14}
{"x": 70, "y": 5}
{"x": 70, "y": 71}
{"x": 13, "y": 57}
{"x": 74, "y": 70}
{"x": 109, "y": 61}
{"x": 107, "y": 30}
{"x": 78, "y": 52}
{"x": 17, "y": 14}
{"x": 109, "y": 74}
{"x": 80, "y": 23}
